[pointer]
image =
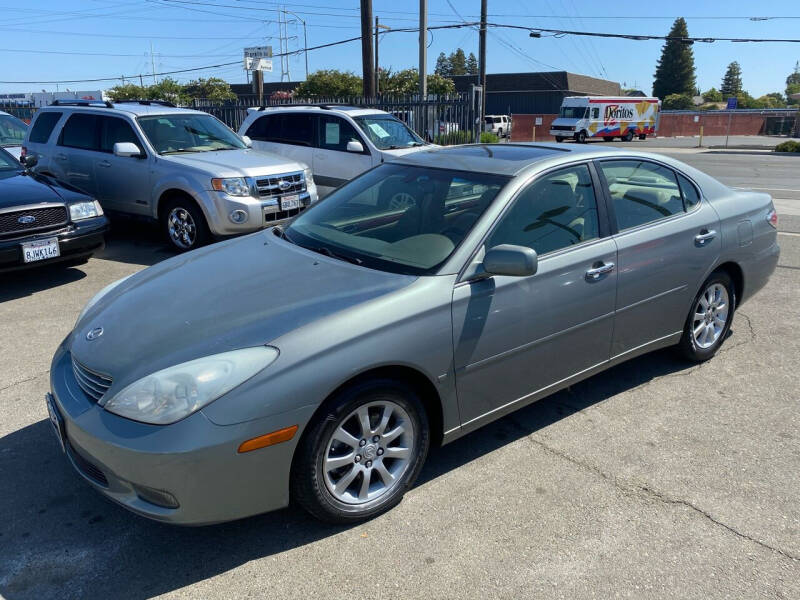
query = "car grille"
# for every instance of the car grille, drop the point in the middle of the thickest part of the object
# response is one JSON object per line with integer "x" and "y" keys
{"x": 273, "y": 187}
{"x": 89, "y": 469}
{"x": 280, "y": 215}
{"x": 92, "y": 383}
{"x": 51, "y": 217}
{"x": 562, "y": 128}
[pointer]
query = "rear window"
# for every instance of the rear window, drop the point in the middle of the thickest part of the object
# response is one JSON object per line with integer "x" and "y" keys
{"x": 81, "y": 131}
{"x": 43, "y": 126}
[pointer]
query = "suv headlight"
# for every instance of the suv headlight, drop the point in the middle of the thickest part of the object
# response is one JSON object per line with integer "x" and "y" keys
{"x": 233, "y": 186}
{"x": 84, "y": 210}
{"x": 176, "y": 392}
{"x": 99, "y": 295}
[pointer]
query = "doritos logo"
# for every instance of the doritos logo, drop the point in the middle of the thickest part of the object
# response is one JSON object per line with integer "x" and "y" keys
{"x": 615, "y": 112}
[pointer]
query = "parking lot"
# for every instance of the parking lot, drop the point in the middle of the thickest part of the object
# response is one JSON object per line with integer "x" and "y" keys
{"x": 657, "y": 478}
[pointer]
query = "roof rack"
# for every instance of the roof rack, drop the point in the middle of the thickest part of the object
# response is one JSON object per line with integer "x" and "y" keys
{"x": 322, "y": 106}
{"x": 148, "y": 102}
{"x": 67, "y": 102}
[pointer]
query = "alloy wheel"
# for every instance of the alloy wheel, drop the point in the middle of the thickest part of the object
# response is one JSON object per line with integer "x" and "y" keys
{"x": 182, "y": 228}
{"x": 710, "y": 315}
{"x": 368, "y": 453}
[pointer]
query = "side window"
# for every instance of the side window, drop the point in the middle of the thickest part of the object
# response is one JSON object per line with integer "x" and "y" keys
{"x": 262, "y": 129}
{"x": 43, "y": 126}
{"x": 81, "y": 131}
{"x": 691, "y": 197}
{"x": 595, "y": 113}
{"x": 554, "y": 212}
{"x": 641, "y": 191}
{"x": 334, "y": 133}
{"x": 296, "y": 128}
{"x": 115, "y": 130}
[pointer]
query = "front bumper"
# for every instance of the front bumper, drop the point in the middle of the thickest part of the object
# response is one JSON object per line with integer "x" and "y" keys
{"x": 194, "y": 460}
{"x": 78, "y": 240}
{"x": 261, "y": 212}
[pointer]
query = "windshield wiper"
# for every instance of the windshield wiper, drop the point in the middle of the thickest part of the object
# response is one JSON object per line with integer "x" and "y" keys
{"x": 325, "y": 251}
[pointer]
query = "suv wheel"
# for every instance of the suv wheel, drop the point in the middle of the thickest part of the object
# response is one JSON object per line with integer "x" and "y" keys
{"x": 361, "y": 455}
{"x": 184, "y": 224}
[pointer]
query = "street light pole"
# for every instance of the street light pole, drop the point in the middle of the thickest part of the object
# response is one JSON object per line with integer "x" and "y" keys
{"x": 423, "y": 49}
{"x": 305, "y": 37}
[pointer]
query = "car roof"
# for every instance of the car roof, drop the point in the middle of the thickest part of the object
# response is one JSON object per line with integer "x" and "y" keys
{"x": 505, "y": 159}
{"x": 353, "y": 111}
{"x": 133, "y": 108}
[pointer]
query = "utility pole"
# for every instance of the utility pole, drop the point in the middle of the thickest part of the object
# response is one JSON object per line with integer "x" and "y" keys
{"x": 153, "y": 63}
{"x": 423, "y": 49}
{"x": 378, "y": 27}
{"x": 482, "y": 60}
{"x": 368, "y": 76}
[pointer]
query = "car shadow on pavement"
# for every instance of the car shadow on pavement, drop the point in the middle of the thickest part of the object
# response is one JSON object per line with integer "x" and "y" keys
{"x": 23, "y": 283}
{"x": 135, "y": 242}
{"x": 60, "y": 538}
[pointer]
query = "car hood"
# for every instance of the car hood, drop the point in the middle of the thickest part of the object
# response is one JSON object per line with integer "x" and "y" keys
{"x": 235, "y": 163}
{"x": 240, "y": 293}
{"x": 564, "y": 121}
{"x": 18, "y": 189}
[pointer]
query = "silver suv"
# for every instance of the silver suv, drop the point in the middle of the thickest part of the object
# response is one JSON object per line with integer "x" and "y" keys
{"x": 183, "y": 167}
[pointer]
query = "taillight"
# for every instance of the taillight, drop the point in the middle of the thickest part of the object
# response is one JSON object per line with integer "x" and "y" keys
{"x": 772, "y": 218}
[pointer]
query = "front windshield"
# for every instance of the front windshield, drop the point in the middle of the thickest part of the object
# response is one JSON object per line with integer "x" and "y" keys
{"x": 8, "y": 162}
{"x": 188, "y": 132}
{"x": 397, "y": 218}
{"x": 387, "y": 132}
{"x": 573, "y": 112}
{"x": 12, "y": 131}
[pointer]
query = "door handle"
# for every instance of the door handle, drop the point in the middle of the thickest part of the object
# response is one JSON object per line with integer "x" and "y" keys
{"x": 704, "y": 236}
{"x": 104, "y": 163}
{"x": 61, "y": 156}
{"x": 595, "y": 273}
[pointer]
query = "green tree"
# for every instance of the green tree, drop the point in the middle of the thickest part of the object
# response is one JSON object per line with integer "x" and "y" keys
{"x": 458, "y": 62}
{"x": 732, "y": 82}
{"x": 407, "y": 82}
{"x": 442, "y": 65}
{"x": 793, "y": 84}
{"x": 675, "y": 69}
{"x": 169, "y": 89}
{"x": 677, "y": 102}
{"x": 127, "y": 91}
{"x": 472, "y": 64}
{"x": 331, "y": 83}
{"x": 712, "y": 95}
{"x": 212, "y": 88}
{"x": 440, "y": 85}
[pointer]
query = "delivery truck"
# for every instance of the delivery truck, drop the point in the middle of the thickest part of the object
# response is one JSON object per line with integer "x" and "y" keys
{"x": 606, "y": 117}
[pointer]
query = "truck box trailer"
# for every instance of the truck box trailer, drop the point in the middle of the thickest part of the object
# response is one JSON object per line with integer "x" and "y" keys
{"x": 606, "y": 117}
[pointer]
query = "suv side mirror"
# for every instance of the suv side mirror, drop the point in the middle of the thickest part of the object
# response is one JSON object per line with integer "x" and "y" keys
{"x": 355, "y": 146}
{"x": 247, "y": 141}
{"x": 508, "y": 259}
{"x": 29, "y": 161}
{"x": 128, "y": 149}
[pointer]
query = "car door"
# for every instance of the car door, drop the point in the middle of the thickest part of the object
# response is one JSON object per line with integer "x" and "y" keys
{"x": 667, "y": 239}
{"x": 285, "y": 133}
{"x": 123, "y": 182}
{"x": 333, "y": 164}
{"x": 516, "y": 336}
{"x": 77, "y": 149}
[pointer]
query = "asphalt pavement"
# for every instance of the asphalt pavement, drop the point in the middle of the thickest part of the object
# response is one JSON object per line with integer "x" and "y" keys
{"x": 656, "y": 479}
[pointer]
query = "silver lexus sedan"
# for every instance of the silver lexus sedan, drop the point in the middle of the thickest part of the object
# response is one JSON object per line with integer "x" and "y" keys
{"x": 420, "y": 301}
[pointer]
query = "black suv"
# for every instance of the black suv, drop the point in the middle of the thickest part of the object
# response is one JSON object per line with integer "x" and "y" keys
{"x": 43, "y": 221}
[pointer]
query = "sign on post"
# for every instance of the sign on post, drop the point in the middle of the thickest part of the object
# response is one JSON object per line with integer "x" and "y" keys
{"x": 538, "y": 121}
{"x": 733, "y": 102}
{"x": 257, "y": 58}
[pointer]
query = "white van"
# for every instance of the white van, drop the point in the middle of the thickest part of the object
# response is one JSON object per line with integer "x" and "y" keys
{"x": 607, "y": 117}
{"x": 500, "y": 125}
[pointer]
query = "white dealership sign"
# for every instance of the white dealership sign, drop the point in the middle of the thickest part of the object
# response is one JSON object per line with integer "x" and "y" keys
{"x": 257, "y": 58}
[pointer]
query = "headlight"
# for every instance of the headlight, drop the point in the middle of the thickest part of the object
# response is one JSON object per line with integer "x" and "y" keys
{"x": 96, "y": 298}
{"x": 176, "y": 392}
{"x": 84, "y": 210}
{"x": 233, "y": 186}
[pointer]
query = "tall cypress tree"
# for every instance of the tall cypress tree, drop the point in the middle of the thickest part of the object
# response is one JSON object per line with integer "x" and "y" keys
{"x": 472, "y": 64}
{"x": 675, "y": 69}
{"x": 732, "y": 82}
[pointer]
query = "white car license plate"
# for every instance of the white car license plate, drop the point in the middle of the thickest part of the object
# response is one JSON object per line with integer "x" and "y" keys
{"x": 40, "y": 250}
{"x": 290, "y": 202}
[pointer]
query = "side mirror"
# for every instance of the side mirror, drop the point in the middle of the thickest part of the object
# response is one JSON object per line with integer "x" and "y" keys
{"x": 128, "y": 149}
{"x": 355, "y": 146}
{"x": 507, "y": 259}
{"x": 29, "y": 161}
{"x": 247, "y": 141}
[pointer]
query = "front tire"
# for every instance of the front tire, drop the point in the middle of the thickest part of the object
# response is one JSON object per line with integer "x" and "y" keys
{"x": 361, "y": 454}
{"x": 559, "y": 139}
{"x": 628, "y": 137}
{"x": 580, "y": 137}
{"x": 184, "y": 224}
{"x": 709, "y": 318}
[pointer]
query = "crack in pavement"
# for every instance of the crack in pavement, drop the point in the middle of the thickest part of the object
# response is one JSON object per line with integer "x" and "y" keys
{"x": 21, "y": 381}
{"x": 637, "y": 490}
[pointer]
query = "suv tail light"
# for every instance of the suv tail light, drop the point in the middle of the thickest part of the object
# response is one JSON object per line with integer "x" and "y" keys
{"x": 772, "y": 218}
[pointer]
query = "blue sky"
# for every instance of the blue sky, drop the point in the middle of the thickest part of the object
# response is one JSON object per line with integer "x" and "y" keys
{"x": 109, "y": 38}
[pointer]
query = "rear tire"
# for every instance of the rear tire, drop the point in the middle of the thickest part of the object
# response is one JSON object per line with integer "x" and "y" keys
{"x": 184, "y": 224}
{"x": 709, "y": 319}
{"x": 352, "y": 464}
{"x": 628, "y": 137}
